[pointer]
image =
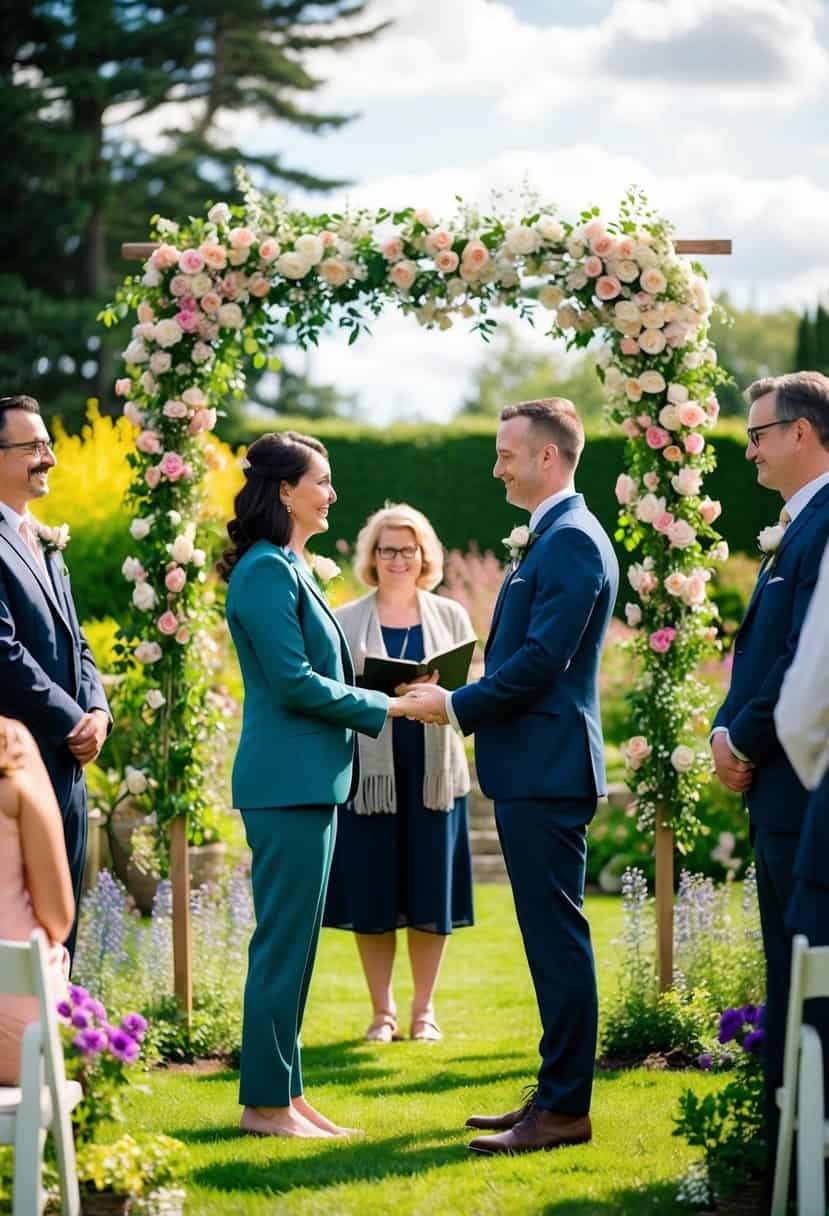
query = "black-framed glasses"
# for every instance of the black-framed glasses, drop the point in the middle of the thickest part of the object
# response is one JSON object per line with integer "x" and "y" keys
{"x": 388, "y": 554}
{"x": 35, "y": 447}
{"x": 754, "y": 431}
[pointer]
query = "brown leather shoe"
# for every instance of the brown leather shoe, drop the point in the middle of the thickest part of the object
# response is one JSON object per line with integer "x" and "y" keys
{"x": 502, "y": 1123}
{"x": 538, "y": 1131}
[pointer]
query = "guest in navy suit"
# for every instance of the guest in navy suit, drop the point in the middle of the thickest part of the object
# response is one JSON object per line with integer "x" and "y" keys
{"x": 538, "y": 745}
{"x": 48, "y": 677}
{"x": 788, "y": 443}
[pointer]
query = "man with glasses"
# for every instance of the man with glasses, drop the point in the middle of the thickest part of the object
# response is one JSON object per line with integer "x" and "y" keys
{"x": 48, "y": 677}
{"x": 788, "y": 444}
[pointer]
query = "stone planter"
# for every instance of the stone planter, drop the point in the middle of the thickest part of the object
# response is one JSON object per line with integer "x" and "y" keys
{"x": 207, "y": 861}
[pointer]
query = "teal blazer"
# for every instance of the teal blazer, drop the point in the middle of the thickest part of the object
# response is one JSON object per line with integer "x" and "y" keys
{"x": 301, "y": 709}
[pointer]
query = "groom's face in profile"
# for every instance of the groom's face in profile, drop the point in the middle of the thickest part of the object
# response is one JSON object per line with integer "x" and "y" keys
{"x": 24, "y": 469}
{"x": 519, "y": 464}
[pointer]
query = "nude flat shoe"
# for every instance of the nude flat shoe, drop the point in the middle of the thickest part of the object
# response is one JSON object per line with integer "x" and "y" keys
{"x": 383, "y": 1029}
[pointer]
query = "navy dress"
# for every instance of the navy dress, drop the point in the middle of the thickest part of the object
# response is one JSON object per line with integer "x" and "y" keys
{"x": 410, "y": 869}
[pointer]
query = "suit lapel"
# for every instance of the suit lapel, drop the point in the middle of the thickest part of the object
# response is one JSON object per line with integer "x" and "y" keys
{"x": 310, "y": 582}
{"x": 28, "y": 558}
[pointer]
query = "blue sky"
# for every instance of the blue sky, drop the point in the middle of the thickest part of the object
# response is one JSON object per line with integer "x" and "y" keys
{"x": 716, "y": 107}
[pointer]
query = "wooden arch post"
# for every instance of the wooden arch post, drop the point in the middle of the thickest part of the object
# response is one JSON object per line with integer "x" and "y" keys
{"x": 139, "y": 251}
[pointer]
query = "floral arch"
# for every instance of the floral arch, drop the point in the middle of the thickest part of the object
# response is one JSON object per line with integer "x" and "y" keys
{"x": 214, "y": 292}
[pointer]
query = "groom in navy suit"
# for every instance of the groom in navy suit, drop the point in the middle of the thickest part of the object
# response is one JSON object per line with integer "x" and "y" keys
{"x": 538, "y": 746}
{"x": 48, "y": 677}
{"x": 788, "y": 443}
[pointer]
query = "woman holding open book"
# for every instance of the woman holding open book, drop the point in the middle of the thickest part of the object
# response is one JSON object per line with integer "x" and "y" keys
{"x": 402, "y": 857}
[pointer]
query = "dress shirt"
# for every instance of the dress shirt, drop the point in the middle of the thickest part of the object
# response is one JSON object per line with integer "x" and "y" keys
{"x": 536, "y": 517}
{"x": 793, "y": 506}
{"x": 802, "y": 711}
{"x": 12, "y": 516}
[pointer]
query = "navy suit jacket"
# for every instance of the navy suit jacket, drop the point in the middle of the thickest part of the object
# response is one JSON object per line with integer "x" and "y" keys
{"x": 535, "y": 712}
{"x": 48, "y": 677}
{"x": 764, "y": 648}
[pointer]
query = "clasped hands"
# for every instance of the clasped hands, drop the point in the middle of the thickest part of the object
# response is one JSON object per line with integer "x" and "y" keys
{"x": 733, "y": 773}
{"x": 88, "y": 736}
{"x": 423, "y": 701}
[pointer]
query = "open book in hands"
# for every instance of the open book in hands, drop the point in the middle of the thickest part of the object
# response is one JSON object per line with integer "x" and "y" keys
{"x": 385, "y": 675}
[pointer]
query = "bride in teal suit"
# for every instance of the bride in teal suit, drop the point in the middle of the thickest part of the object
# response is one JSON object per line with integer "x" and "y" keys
{"x": 295, "y": 760}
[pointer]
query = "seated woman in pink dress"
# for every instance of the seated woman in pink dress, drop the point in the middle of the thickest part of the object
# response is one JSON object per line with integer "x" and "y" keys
{"x": 35, "y": 886}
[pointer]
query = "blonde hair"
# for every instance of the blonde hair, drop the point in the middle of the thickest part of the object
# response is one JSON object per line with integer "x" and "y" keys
{"x": 399, "y": 515}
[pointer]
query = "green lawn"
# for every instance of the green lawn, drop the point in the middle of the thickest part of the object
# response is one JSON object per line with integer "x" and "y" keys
{"x": 412, "y": 1100}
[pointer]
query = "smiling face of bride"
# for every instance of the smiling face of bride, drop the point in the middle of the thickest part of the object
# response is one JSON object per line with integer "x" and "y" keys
{"x": 310, "y": 499}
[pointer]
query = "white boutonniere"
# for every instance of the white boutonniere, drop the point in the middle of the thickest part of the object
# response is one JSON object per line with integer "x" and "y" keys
{"x": 769, "y": 539}
{"x": 53, "y": 540}
{"x": 324, "y": 570}
{"x": 518, "y": 542}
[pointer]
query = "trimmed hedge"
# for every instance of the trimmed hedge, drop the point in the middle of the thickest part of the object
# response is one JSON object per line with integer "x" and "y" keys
{"x": 446, "y": 471}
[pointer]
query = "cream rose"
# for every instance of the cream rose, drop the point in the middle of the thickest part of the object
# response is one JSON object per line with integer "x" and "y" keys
{"x": 652, "y": 341}
{"x": 626, "y": 488}
{"x": 649, "y": 507}
{"x": 334, "y": 271}
{"x": 682, "y": 758}
{"x": 144, "y": 597}
{"x": 549, "y": 228}
{"x": 687, "y": 482}
{"x": 293, "y": 264}
{"x": 636, "y": 751}
{"x": 403, "y": 274}
{"x": 550, "y": 296}
{"x": 669, "y": 418}
{"x": 677, "y": 394}
{"x": 521, "y": 240}
{"x": 653, "y": 382}
{"x": 681, "y": 534}
{"x": 693, "y": 593}
{"x": 675, "y": 582}
{"x": 653, "y": 281}
{"x": 230, "y": 316}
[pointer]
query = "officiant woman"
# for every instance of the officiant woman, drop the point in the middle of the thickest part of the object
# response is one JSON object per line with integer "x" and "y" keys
{"x": 402, "y": 858}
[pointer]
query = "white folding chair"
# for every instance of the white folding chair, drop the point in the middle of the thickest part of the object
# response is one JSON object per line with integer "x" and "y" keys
{"x": 800, "y": 1097}
{"x": 44, "y": 1099}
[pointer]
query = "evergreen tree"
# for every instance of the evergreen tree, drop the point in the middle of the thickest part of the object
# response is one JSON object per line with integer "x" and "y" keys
{"x": 821, "y": 363}
{"x": 76, "y": 185}
{"x": 805, "y": 357}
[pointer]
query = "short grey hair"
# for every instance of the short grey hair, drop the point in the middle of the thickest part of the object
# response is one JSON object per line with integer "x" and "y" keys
{"x": 797, "y": 395}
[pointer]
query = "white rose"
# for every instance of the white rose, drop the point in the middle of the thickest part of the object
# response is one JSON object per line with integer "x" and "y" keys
{"x": 687, "y": 482}
{"x": 135, "y": 780}
{"x": 139, "y": 528}
{"x": 199, "y": 284}
{"x": 167, "y": 332}
{"x": 155, "y": 698}
{"x": 576, "y": 279}
{"x": 132, "y": 569}
{"x": 324, "y": 568}
{"x": 675, "y": 582}
{"x": 148, "y": 383}
{"x": 293, "y": 265}
{"x": 653, "y": 318}
{"x": 677, "y": 394}
{"x": 575, "y": 245}
{"x": 626, "y": 310}
{"x": 160, "y": 362}
{"x": 652, "y": 382}
{"x": 692, "y": 360}
{"x": 518, "y": 538}
{"x": 136, "y": 352}
{"x": 181, "y": 550}
{"x": 633, "y": 615}
{"x": 521, "y": 240}
{"x": 151, "y": 276}
{"x": 567, "y": 316}
{"x": 549, "y": 228}
{"x": 682, "y": 758}
{"x": 625, "y": 270}
{"x": 219, "y": 213}
{"x": 649, "y": 507}
{"x": 669, "y": 418}
{"x": 311, "y": 247}
{"x": 653, "y": 281}
{"x": 614, "y": 381}
{"x": 230, "y": 316}
{"x": 144, "y": 597}
{"x": 199, "y": 557}
{"x": 147, "y": 652}
{"x": 720, "y": 552}
{"x": 770, "y": 538}
{"x": 636, "y": 751}
{"x": 174, "y": 518}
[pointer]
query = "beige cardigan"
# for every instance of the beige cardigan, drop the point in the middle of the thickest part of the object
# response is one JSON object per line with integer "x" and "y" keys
{"x": 445, "y": 624}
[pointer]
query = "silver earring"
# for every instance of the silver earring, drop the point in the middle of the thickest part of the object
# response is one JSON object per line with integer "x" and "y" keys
{"x": 288, "y": 507}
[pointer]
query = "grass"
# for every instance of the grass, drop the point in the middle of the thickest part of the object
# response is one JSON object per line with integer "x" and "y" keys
{"x": 412, "y": 1100}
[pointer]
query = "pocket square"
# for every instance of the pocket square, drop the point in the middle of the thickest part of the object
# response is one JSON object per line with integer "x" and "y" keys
{"x": 517, "y": 579}
{"x": 777, "y": 579}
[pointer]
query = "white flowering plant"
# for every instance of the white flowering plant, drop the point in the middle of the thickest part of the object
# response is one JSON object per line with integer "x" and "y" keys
{"x": 221, "y": 288}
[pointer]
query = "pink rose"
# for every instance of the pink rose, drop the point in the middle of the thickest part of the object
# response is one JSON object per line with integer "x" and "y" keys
{"x": 152, "y": 476}
{"x": 447, "y": 261}
{"x": 468, "y": 273}
{"x": 214, "y": 256}
{"x": 662, "y": 640}
{"x": 437, "y": 242}
{"x": 625, "y": 489}
{"x": 167, "y": 623}
{"x": 172, "y": 466}
{"x": 202, "y": 420}
{"x": 424, "y": 217}
{"x": 241, "y": 238}
{"x": 681, "y": 534}
{"x": 647, "y": 584}
{"x": 187, "y": 321}
{"x": 608, "y": 287}
{"x": 657, "y": 438}
{"x": 594, "y": 230}
{"x": 191, "y": 261}
{"x": 175, "y": 409}
{"x": 179, "y": 285}
{"x": 230, "y": 285}
{"x": 201, "y": 353}
{"x": 175, "y": 579}
{"x": 148, "y": 442}
{"x": 625, "y": 247}
{"x": 630, "y": 428}
{"x": 710, "y": 509}
{"x": 145, "y": 313}
{"x": 258, "y": 286}
{"x": 712, "y": 407}
{"x": 629, "y": 346}
{"x": 593, "y": 267}
{"x": 147, "y": 652}
{"x": 652, "y": 341}
{"x": 183, "y": 635}
{"x": 194, "y": 397}
{"x": 475, "y": 255}
{"x": 675, "y": 582}
{"x": 693, "y": 593}
{"x": 663, "y": 522}
{"x": 691, "y": 414}
{"x": 633, "y": 389}
{"x": 133, "y": 413}
{"x": 269, "y": 250}
{"x": 673, "y": 453}
{"x": 644, "y": 420}
{"x": 403, "y": 274}
{"x": 164, "y": 257}
{"x": 651, "y": 481}
{"x": 644, "y": 300}
{"x": 603, "y": 246}
{"x": 187, "y": 471}
{"x": 334, "y": 271}
{"x": 392, "y": 250}
{"x": 211, "y": 301}
{"x": 123, "y": 386}
{"x": 694, "y": 443}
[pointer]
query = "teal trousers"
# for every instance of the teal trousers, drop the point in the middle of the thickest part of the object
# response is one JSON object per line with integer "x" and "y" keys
{"x": 291, "y": 860}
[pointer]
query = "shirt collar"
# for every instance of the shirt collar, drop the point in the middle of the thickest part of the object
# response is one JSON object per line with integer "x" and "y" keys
{"x": 805, "y": 495}
{"x": 12, "y": 516}
{"x": 548, "y": 504}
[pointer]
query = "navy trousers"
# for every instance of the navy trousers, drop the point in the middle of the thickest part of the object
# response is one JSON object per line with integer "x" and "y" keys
{"x": 545, "y": 849}
{"x": 75, "y": 829}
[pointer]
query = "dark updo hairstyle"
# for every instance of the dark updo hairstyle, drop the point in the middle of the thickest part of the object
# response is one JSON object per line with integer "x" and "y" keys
{"x": 260, "y": 513}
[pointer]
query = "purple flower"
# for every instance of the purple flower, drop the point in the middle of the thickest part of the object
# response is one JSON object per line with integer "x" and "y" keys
{"x": 751, "y": 1014}
{"x": 64, "y": 1010}
{"x": 730, "y": 1022}
{"x": 754, "y": 1041}
{"x": 122, "y": 1046}
{"x": 80, "y": 1019}
{"x": 77, "y": 994}
{"x": 705, "y": 1061}
{"x": 95, "y": 1008}
{"x": 90, "y": 1042}
{"x": 134, "y": 1025}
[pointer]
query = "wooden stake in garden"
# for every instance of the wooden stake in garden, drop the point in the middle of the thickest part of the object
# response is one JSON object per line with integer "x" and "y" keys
{"x": 179, "y": 868}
